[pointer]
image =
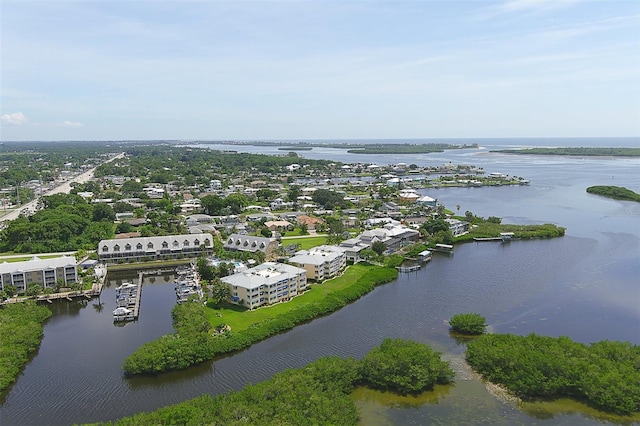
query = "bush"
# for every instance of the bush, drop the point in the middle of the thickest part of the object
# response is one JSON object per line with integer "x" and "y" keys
{"x": 472, "y": 324}
{"x": 405, "y": 367}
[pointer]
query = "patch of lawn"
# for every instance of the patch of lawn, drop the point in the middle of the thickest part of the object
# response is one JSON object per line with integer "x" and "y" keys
{"x": 240, "y": 318}
{"x": 306, "y": 242}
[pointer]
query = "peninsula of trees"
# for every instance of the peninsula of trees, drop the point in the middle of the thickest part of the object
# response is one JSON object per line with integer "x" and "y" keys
{"x": 605, "y": 374}
{"x": 615, "y": 192}
{"x": 318, "y": 394}
{"x": 575, "y": 151}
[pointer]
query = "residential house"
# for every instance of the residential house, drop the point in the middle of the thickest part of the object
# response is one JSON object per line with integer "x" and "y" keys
{"x": 457, "y": 226}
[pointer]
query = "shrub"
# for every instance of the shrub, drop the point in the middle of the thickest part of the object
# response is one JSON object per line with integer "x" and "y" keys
{"x": 404, "y": 366}
{"x": 472, "y": 324}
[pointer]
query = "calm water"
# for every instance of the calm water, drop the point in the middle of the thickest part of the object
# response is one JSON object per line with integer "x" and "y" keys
{"x": 584, "y": 285}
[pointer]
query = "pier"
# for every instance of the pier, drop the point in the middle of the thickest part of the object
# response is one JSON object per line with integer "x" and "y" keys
{"x": 407, "y": 269}
{"x": 128, "y": 297}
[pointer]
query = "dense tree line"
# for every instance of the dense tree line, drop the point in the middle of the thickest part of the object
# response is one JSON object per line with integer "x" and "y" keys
{"x": 20, "y": 334}
{"x": 605, "y": 374}
{"x": 318, "y": 394}
{"x": 615, "y": 192}
{"x": 161, "y": 355}
{"x": 163, "y": 164}
{"x": 66, "y": 223}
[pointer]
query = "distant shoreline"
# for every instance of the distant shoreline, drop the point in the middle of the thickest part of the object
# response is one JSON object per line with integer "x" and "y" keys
{"x": 575, "y": 151}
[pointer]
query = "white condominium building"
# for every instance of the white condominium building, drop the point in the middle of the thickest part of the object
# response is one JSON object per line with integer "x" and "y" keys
{"x": 266, "y": 284}
{"x": 322, "y": 262}
{"x": 45, "y": 272}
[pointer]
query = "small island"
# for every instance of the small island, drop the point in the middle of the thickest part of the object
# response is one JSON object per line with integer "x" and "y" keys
{"x": 615, "y": 192}
{"x": 405, "y": 148}
{"x": 575, "y": 151}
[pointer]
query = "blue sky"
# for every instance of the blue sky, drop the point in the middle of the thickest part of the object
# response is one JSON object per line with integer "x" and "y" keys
{"x": 221, "y": 70}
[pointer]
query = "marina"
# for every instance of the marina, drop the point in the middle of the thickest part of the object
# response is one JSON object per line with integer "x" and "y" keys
{"x": 188, "y": 285}
{"x": 128, "y": 301}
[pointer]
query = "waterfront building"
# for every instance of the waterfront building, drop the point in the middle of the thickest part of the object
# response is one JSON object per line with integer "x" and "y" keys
{"x": 45, "y": 272}
{"x": 266, "y": 284}
{"x": 322, "y": 262}
{"x": 154, "y": 248}
{"x": 457, "y": 226}
{"x": 251, "y": 244}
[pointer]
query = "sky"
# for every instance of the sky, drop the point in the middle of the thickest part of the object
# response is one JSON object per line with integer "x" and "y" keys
{"x": 265, "y": 70}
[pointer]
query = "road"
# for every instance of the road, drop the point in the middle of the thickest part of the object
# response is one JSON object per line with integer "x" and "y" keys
{"x": 63, "y": 188}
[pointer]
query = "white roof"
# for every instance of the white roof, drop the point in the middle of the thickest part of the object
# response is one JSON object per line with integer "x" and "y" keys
{"x": 37, "y": 264}
{"x": 265, "y": 274}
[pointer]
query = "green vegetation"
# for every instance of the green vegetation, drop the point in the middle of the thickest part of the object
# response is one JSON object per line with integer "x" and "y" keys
{"x": 615, "y": 192}
{"x": 305, "y": 243}
{"x": 470, "y": 324}
{"x": 578, "y": 151}
{"x": 20, "y": 334}
{"x": 251, "y": 327}
{"x": 67, "y": 223}
{"x": 318, "y": 394}
{"x": 191, "y": 344}
{"x": 490, "y": 230}
{"x": 605, "y": 374}
{"x": 405, "y": 367}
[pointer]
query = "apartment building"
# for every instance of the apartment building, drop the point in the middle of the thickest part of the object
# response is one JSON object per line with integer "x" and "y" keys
{"x": 322, "y": 262}
{"x": 152, "y": 248}
{"x": 266, "y": 284}
{"x": 45, "y": 272}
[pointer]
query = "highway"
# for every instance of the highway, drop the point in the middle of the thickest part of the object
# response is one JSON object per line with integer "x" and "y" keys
{"x": 63, "y": 188}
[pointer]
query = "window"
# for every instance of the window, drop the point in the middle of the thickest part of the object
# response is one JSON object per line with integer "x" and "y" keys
{"x": 186, "y": 243}
{"x": 127, "y": 247}
{"x": 139, "y": 246}
{"x": 176, "y": 244}
{"x": 165, "y": 245}
{"x": 150, "y": 246}
{"x": 197, "y": 242}
{"x": 105, "y": 249}
{"x": 116, "y": 248}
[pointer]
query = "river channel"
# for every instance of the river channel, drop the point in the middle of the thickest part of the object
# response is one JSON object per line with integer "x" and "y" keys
{"x": 584, "y": 286}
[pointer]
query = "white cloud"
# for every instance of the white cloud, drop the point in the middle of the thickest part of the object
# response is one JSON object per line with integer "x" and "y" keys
{"x": 536, "y": 5}
{"x": 14, "y": 118}
{"x": 68, "y": 123}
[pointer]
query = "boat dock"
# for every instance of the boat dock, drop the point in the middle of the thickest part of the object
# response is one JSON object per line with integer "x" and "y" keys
{"x": 70, "y": 295}
{"x": 128, "y": 297}
{"x": 188, "y": 285}
{"x": 407, "y": 269}
{"x": 443, "y": 248}
{"x": 504, "y": 237}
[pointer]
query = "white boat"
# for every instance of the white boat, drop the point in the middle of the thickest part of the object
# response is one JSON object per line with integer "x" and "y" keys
{"x": 121, "y": 311}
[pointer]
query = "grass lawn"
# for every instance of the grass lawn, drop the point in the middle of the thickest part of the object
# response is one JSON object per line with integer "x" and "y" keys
{"x": 306, "y": 242}
{"x": 240, "y": 319}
